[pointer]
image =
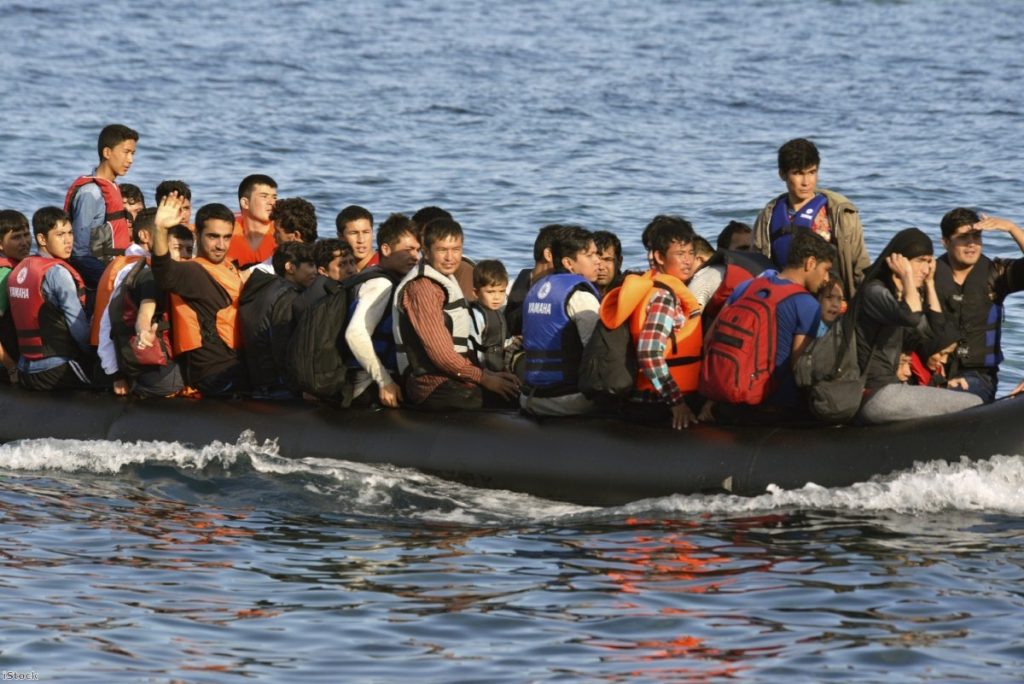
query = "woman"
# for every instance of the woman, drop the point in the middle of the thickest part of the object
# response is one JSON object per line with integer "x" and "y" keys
{"x": 898, "y": 301}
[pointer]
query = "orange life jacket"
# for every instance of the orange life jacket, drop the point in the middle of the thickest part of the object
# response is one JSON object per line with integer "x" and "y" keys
{"x": 187, "y": 333}
{"x": 631, "y": 300}
{"x": 241, "y": 253}
{"x": 104, "y": 290}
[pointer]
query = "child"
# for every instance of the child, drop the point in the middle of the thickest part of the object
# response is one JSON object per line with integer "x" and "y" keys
{"x": 133, "y": 200}
{"x": 832, "y": 301}
{"x": 489, "y": 337}
{"x": 929, "y": 359}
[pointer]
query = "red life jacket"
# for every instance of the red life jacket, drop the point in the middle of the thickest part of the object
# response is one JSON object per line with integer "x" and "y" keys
{"x": 42, "y": 330}
{"x": 739, "y": 351}
{"x": 739, "y": 268}
{"x": 116, "y": 216}
{"x": 124, "y": 311}
{"x": 7, "y": 262}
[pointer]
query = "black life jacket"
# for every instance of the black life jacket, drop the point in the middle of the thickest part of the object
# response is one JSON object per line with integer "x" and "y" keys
{"x": 265, "y": 313}
{"x": 489, "y": 343}
{"x": 413, "y": 358}
{"x": 975, "y": 309}
{"x": 516, "y": 297}
{"x": 314, "y": 362}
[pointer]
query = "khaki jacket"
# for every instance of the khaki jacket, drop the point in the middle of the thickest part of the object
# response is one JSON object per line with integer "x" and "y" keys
{"x": 847, "y": 234}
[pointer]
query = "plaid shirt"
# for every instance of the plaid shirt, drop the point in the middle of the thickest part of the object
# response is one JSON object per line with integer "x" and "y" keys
{"x": 663, "y": 316}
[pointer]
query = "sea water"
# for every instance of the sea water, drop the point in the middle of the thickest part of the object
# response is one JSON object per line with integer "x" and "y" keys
{"x": 155, "y": 561}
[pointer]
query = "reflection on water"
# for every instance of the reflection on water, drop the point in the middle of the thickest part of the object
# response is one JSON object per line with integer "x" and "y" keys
{"x": 109, "y": 573}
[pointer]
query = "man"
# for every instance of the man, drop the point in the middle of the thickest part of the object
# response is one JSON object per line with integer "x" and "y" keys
{"x": 252, "y": 240}
{"x": 101, "y": 226}
{"x": 15, "y": 245}
{"x": 971, "y": 289}
{"x": 667, "y": 337}
{"x": 135, "y": 328}
{"x": 204, "y": 298}
{"x": 805, "y": 207}
{"x": 369, "y": 337}
{"x": 49, "y": 310}
{"x": 783, "y": 305}
{"x": 609, "y": 261}
{"x": 432, "y": 327}
{"x": 559, "y": 316}
{"x": 736, "y": 236}
{"x": 464, "y": 271}
{"x": 166, "y": 187}
{"x": 334, "y": 263}
{"x": 149, "y": 304}
{"x": 355, "y": 226}
{"x": 543, "y": 264}
{"x": 266, "y": 316}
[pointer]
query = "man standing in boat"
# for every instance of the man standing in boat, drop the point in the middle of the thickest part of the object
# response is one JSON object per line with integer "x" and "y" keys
{"x": 806, "y": 207}
{"x": 101, "y": 225}
{"x": 971, "y": 289}
{"x": 204, "y": 298}
{"x": 431, "y": 328}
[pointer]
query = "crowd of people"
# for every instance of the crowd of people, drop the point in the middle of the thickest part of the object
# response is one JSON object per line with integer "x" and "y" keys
{"x": 149, "y": 301}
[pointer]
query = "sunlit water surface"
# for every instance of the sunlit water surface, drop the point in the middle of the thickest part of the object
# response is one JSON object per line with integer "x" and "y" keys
{"x": 164, "y": 562}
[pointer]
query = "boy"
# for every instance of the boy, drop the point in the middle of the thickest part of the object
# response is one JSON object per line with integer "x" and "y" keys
{"x": 559, "y": 316}
{"x": 253, "y": 239}
{"x": 490, "y": 333}
{"x": 355, "y": 226}
{"x": 98, "y": 216}
{"x": 806, "y": 207}
{"x": 15, "y": 244}
{"x": 48, "y": 309}
{"x": 133, "y": 200}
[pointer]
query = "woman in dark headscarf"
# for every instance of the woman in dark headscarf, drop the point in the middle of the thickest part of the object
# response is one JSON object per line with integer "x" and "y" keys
{"x": 898, "y": 299}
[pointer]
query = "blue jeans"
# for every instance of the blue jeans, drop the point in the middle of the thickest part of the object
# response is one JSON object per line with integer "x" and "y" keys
{"x": 981, "y": 382}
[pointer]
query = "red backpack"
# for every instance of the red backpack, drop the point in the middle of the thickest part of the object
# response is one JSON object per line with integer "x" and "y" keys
{"x": 739, "y": 349}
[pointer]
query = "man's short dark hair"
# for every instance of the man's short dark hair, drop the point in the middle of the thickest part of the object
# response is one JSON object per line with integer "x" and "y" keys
{"x": 569, "y": 243}
{"x": 168, "y": 186}
{"x": 47, "y": 218}
{"x": 295, "y": 215}
{"x": 352, "y": 212}
{"x": 489, "y": 272}
{"x": 291, "y": 253}
{"x": 209, "y": 212}
{"x": 798, "y": 154}
{"x": 146, "y": 220}
{"x": 805, "y": 245}
{"x": 441, "y": 229}
{"x": 181, "y": 233}
{"x": 956, "y": 219}
{"x": 545, "y": 237}
{"x": 113, "y": 135}
{"x": 11, "y": 221}
{"x": 132, "y": 193}
{"x": 324, "y": 251}
{"x": 393, "y": 229}
{"x": 604, "y": 239}
{"x": 424, "y": 216}
{"x": 734, "y": 228}
{"x": 245, "y": 188}
{"x": 665, "y": 229}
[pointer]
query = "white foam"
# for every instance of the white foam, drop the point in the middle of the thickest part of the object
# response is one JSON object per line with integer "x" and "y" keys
{"x": 995, "y": 484}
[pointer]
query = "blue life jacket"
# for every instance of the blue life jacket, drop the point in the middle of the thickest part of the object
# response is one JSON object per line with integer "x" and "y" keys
{"x": 550, "y": 339}
{"x": 383, "y": 336}
{"x": 782, "y": 228}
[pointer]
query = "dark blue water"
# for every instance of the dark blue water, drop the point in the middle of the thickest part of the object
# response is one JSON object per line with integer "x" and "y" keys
{"x": 160, "y": 562}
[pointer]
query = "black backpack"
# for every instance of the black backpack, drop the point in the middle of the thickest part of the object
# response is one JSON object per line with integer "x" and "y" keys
{"x": 314, "y": 362}
{"x": 608, "y": 366}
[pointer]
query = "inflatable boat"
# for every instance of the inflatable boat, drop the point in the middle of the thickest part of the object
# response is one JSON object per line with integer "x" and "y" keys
{"x": 596, "y": 461}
